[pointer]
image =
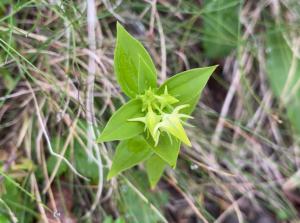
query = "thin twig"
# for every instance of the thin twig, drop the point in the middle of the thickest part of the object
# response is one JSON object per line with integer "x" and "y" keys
{"x": 92, "y": 21}
{"x": 163, "y": 72}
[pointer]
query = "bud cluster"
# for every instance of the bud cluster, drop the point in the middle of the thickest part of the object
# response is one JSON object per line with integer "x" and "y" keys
{"x": 162, "y": 116}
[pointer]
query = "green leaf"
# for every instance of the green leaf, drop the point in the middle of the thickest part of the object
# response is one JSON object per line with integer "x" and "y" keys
{"x": 118, "y": 126}
{"x": 166, "y": 149}
{"x": 120, "y": 220}
{"x": 187, "y": 86}
{"x": 57, "y": 145}
{"x": 155, "y": 167}
{"x": 85, "y": 167}
{"x": 282, "y": 77}
{"x": 138, "y": 210}
{"x": 128, "y": 154}
{"x": 51, "y": 162}
{"x": 20, "y": 204}
{"x": 145, "y": 78}
{"x": 127, "y": 63}
{"x": 4, "y": 218}
{"x": 220, "y": 27}
{"x": 108, "y": 219}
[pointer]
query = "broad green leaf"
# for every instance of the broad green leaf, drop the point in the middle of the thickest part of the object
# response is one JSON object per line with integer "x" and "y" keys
{"x": 127, "y": 63}
{"x": 108, "y": 219}
{"x": 145, "y": 78}
{"x": 284, "y": 75}
{"x": 51, "y": 162}
{"x": 168, "y": 150}
{"x": 138, "y": 210}
{"x": 4, "y": 218}
{"x": 129, "y": 153}
{"x": 120, "y": 220}
{"x": 293, "y": 114}
{"x": 57, "y": 145}
{"x": 85, "y": 166}
{"x": 155, "y": 167}
{"x": 220, "y": 27}
{"x": 187, "y": 86}
{"x": 111, "y": 220}
{"x": 118, "y": 126}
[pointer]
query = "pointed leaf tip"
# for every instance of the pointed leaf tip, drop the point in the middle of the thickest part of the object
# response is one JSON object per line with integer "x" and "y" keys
{"x": 187, "y": 83}
{"x": 127, "y": 64}
{"x": 155, "y": 167}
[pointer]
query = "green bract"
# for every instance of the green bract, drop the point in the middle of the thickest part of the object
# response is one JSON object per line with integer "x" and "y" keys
{"x": 150, "y": 125}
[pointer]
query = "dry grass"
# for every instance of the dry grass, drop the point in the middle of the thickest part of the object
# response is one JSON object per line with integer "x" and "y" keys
{"x": 57, "y": 90}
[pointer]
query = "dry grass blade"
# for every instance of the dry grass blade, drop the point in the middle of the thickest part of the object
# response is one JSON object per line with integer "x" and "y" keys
{"x": 57, "y": 91}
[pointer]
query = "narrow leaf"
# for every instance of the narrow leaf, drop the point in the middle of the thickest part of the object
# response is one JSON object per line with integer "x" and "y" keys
{"x": 128, "y": 154}
{"x": 187, "y": 86}
{"x": 127, "y": 63}
{"x": 118, "y": 126}
{"x": 155, "y": 167}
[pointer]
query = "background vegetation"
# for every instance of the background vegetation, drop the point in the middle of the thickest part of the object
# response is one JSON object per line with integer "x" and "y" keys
{"x": 57, "y": 91}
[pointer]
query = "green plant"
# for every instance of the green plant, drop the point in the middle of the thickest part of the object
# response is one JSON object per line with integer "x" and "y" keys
{"x": 150, "y": 125}
{"x": 283, "y": 71}
{"x": 220, "y": 27}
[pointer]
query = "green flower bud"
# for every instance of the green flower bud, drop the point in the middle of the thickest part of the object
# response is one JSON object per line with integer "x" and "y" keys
{"x": 151, "y": 119}
{"x": 166, "y": 100}
{"x": 172, "y": 124}
{"x": 148, "y": 99}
